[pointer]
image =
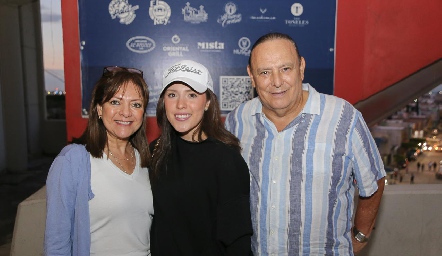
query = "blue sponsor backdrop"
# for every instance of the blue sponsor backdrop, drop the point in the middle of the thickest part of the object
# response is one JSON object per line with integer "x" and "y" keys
{"x": 151, "y": 35}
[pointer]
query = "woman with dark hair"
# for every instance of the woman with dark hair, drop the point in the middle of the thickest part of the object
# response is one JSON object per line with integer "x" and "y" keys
{"x": 99, "y": 199}
{"x": 200, "y": 182}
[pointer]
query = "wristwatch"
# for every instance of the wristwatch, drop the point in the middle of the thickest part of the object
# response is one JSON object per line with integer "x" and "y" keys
{"x": 359, "y": 236}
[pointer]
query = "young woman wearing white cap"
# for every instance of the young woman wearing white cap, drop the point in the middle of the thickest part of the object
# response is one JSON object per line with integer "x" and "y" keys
{"x": 200, "y": 182}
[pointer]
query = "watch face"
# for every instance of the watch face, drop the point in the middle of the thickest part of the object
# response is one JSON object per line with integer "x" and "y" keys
{"x": 360, "y": 237}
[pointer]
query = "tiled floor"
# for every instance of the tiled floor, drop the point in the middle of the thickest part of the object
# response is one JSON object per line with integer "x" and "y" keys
{"x": 14, "y": 188}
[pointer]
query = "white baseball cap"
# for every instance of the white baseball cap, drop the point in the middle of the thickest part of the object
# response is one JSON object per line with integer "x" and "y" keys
{"x": 190, "y": 72}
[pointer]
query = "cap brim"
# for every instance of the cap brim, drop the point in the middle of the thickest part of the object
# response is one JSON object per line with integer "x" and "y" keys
{"x": 190, "y": 82}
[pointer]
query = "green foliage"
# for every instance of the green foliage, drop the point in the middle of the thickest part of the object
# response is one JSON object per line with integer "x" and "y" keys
{"x": 399, "y": 158}
{"x": 413, "y": 143}
{"x": 416, "y": 141}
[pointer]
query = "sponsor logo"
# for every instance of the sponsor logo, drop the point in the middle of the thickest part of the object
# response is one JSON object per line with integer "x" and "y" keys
{"x": 159, "y": 12}
{"x": 175, "y": 49}
{"x": 262, "y": 17}
{"x": 230, "y": 16}
{"x": 244, "y": 47}
{"x": 123, "y": 10}
{"x": 140, "y": 44}
{"x": 194, "y": 15}
{"x": 183, "y": 68}
{"x": 297, "y": 9}
{"x": 211, "y": 46}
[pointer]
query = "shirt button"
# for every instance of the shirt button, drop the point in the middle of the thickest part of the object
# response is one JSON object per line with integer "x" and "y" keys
{"x": 274, "y": 181}
{"x": 273, "y": 207}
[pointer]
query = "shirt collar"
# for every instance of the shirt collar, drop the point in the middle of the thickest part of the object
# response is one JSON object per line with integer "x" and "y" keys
{"x": 312, "y": 106}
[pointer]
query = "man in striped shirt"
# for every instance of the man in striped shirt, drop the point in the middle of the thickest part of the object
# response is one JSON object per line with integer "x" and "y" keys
{"x": 307, "y": 153}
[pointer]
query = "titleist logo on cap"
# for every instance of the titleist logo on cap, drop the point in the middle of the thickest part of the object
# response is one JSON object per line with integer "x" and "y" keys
{"x": 183, "y": 68}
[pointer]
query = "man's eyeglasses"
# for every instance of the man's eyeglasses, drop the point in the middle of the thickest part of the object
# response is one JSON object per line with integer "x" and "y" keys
{"x": 116, "y": 68}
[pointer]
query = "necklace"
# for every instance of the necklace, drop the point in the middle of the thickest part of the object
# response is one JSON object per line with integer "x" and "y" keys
{"x": 127, "y": 159}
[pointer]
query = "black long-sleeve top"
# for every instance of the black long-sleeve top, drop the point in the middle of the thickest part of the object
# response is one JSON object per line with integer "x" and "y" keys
{"x": 201, "y": 201}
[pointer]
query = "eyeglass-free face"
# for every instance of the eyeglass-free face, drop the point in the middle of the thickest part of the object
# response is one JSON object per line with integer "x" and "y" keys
{"x": 185, "y": 109}
{"x": 123, "y": 114}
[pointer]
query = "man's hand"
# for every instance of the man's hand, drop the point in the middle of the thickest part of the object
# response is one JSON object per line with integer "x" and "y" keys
{"x": 366, "y": 212}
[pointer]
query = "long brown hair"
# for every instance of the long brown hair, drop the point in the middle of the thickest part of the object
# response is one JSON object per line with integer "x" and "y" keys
{"x": 211, "y": 124}
{"x": 94, "y": 136}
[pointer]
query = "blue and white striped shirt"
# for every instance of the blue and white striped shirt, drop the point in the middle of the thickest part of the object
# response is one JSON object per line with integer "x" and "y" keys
{"x": 303, "y": 178}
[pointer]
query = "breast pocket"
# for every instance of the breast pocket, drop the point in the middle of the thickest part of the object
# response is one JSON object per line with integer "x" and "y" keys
{"x": 326, "y": 160}
{"x": 320, "y": 160}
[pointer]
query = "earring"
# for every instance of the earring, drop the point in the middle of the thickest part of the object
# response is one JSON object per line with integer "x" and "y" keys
{"x": 206, "y": 109}
{"x": 99, "y": 117}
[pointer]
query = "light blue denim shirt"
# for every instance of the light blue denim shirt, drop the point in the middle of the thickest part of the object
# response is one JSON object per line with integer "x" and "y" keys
{"x": 68, "y": 191}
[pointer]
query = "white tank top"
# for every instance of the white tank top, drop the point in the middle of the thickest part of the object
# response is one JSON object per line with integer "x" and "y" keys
{"x": 121, "y": 211}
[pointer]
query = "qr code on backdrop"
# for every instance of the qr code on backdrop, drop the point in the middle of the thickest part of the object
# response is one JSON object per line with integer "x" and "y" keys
{"x": 234, "y": 90}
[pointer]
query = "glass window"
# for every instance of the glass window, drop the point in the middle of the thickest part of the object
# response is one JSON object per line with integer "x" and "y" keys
{"x": 53, "y": 58}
